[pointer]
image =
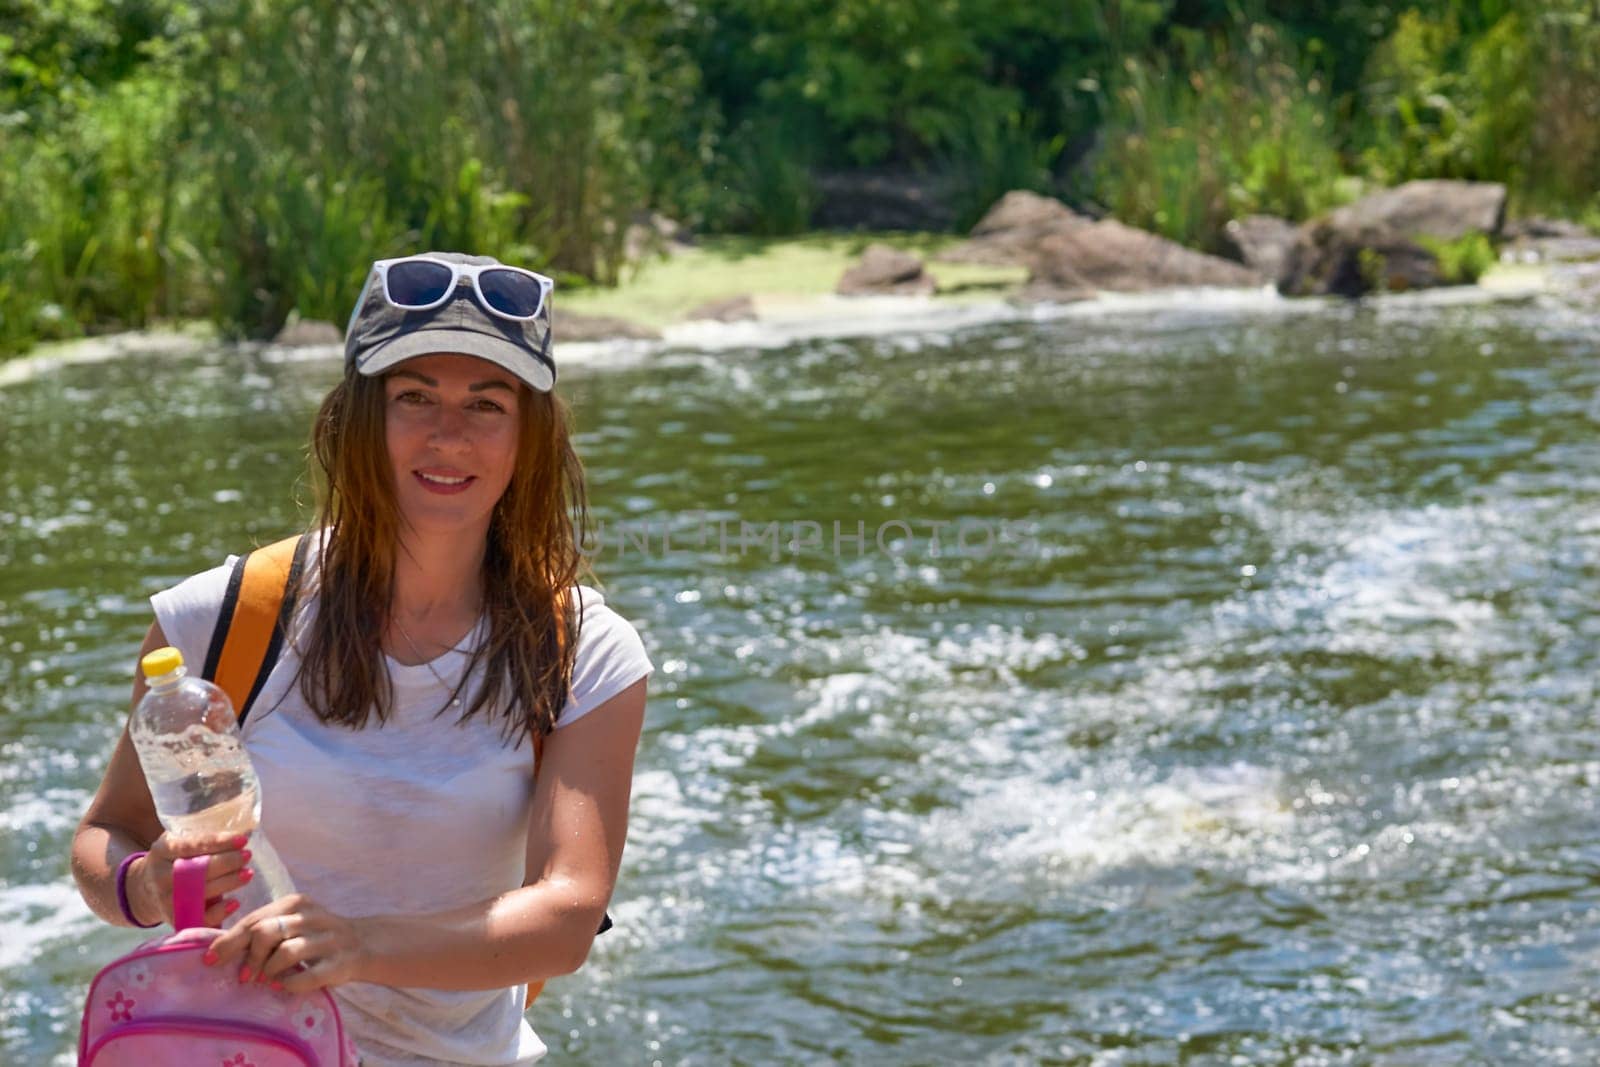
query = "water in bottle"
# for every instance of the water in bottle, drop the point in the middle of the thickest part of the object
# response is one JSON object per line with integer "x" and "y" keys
{"x": 199, "y": 774}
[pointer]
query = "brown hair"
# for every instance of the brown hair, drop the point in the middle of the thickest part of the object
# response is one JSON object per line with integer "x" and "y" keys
{"x": 531, "y": 561}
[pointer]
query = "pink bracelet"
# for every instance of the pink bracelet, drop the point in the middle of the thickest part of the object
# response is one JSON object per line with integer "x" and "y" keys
{"x": 122, "y": 891}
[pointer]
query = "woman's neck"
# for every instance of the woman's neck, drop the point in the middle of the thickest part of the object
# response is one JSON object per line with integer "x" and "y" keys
{"x": 438, "y": 583}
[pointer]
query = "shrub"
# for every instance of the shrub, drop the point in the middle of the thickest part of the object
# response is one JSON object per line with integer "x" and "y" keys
{"x": 331, "y": 132}
{"x": 1463, "y": 260}
{"x": 1231, "y": 127}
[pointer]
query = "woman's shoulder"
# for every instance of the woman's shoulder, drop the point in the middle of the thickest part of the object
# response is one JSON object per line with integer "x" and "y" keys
{"x": 610, "y": 655}
{"x": 597, "y": 616}
{"x": 188, "y": 610}
{"x": 600, "y": 626}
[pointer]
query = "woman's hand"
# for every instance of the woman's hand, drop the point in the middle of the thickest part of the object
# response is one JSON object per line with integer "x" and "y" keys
{"x": 293, "y": 944}
{"x": 150, "y": 878}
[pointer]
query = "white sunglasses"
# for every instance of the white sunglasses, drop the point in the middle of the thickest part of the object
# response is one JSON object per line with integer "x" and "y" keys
{"x": 419, "y": 283}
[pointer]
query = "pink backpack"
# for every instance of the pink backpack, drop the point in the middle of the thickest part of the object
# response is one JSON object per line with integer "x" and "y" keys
{"x": 160, "y": 1005}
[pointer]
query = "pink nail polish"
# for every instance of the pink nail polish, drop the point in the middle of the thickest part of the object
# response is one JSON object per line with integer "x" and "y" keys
{"x": 246, "y": 855}
{"x": 209, "y": 958}
{"x": 278, "y": 986}
{"x": 244, "y": 974}
{"x": 241, "y": 841}
{"x": 233, "y": 906}
{"x": 247, "y": 875}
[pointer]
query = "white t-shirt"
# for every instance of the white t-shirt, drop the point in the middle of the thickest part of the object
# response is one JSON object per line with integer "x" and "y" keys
{"x": 417, "y": 815}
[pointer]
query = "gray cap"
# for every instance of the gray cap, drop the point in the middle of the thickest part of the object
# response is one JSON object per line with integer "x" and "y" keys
{"x": 381, "y": 335}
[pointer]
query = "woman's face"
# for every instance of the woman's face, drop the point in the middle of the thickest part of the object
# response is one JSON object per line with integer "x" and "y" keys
{"x": 452, "y": 426}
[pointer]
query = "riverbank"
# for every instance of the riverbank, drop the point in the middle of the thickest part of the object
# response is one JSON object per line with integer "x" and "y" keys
{"x": 771, "y": 292}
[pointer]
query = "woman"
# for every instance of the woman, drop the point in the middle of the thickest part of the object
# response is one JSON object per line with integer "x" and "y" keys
{"x": 433, "y": 637}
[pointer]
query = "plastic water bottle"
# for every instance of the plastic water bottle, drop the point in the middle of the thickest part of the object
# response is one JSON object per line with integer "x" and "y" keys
{"x": 199, "y": 774}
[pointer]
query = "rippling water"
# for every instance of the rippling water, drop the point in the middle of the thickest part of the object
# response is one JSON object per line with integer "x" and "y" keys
{"x": 1263, "y": 732}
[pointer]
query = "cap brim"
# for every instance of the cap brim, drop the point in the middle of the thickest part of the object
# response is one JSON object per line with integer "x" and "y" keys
{"x": 454, "y": 339}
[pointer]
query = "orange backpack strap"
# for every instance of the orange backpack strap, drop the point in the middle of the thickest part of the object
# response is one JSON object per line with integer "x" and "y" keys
{"x": 256, "y": 610}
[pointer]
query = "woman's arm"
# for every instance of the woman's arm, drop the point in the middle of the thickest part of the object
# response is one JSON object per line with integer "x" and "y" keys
{"x": 575, "y": 841}
{"x": 121, "y": 820}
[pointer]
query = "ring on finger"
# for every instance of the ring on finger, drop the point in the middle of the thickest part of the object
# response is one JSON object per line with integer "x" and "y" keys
{"x": 283, "y": 932}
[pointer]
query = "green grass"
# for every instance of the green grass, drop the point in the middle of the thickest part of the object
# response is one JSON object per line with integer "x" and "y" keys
{"x": 663, "y": 291}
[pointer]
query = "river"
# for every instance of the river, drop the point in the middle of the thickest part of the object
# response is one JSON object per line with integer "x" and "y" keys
{"x": 1244, "y": 711}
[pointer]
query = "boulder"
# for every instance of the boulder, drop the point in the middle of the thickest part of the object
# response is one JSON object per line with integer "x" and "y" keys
{"x": 1009, "y": 234}
{"x": 1441, "y": 209}
{"x": 301, "y": 333}
{"x": 1329, "y": 261}
{"x": 883, "y": 269}
{"x": 571, "y": 326}
{"x": 741, "y": 308}
{"x": 1020, "y": 211}
{"x": 1380, "y": 242}
{"x": 1260, "y": 242}
{"x": 1110, "y": 255}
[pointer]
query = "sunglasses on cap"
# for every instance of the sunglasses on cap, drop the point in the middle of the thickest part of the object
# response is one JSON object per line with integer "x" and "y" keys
{"x": 419, "y": 283}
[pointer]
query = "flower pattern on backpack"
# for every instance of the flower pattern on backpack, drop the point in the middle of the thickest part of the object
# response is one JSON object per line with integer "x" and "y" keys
{"x": 121, "y": 1006}
{"x": 140, "y": 976}
{"x": 310, "y": 1018}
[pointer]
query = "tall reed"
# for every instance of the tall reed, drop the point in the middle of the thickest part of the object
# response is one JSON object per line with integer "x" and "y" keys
{"x": 1224, "y": 127}
{"x": 335, "y": 131}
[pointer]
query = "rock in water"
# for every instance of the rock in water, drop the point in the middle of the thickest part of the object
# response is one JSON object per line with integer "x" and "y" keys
{"x": 1110, "y": 255}
{"x": 1379, "y": 242}
{"x": 882, "y": 269}
{"x": 1329, "y": 261}
{"x": 1445, "y": 210}
{"x": 1261, "y": 242}
{"x": 1010, "y": 233}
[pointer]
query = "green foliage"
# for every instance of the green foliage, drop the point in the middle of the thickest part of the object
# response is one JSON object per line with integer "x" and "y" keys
{"x": 241, "y": 161}
{"x": 266, "y": 151}
{"x": 993, "y": 150}
{"x": 332, "y": 135}
{"x": 1415, "y": 88}
{"x": 766, "y": 183}
{"x": 991, "y": 91}
{"x": 89, "y": 217}
{"x": 1374, "y": 268}
{"x": 1499, "y": 90}
{"x": 1464, "y": 260}
{"x": 1234, "y": 127}
{"x": 1562, "y": 139}
{"x": 54, "y": 53}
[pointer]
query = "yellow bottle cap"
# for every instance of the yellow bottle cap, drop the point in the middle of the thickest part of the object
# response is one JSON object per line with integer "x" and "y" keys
{"x": 161, "y": 661}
